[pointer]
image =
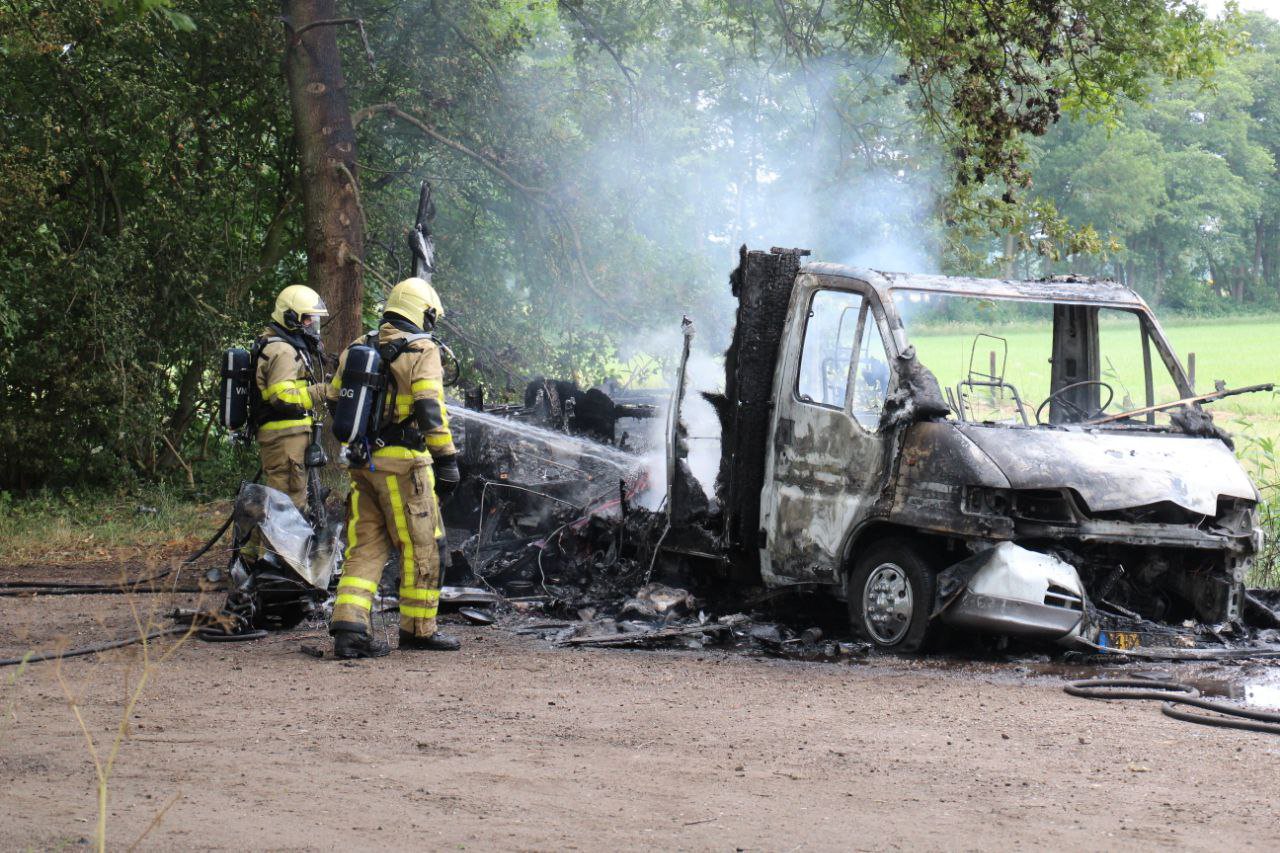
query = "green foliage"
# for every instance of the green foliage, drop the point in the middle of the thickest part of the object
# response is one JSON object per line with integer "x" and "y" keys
{"x": 597, "y": 163}
{"x": 1184, "y": 186}
{"x": 995, "y": 73}
{"x": 137, "y": 207}
{"x": 162, "y": 8}
{"x": 1265, "y": 456}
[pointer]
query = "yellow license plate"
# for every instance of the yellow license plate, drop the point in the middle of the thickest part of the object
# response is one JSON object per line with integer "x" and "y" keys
{"x": 1122, "y": 640}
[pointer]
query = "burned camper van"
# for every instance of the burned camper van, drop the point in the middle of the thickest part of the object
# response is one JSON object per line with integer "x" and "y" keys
{"x": 1001, "y": 456}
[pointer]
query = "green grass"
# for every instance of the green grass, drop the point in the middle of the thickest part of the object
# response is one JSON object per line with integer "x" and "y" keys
{"x": 1242, "y": 352}
{"x": 71, "y": 528}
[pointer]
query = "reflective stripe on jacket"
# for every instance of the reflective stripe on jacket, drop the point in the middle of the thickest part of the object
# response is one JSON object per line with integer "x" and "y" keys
{"x": 283, "y": 376}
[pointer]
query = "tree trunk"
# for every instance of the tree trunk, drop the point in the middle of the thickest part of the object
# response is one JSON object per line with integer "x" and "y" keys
{"x": 1159, "y": 274}
{"x": 1259, "y": 237}
{"x": 1009, "y": 256}
{"x": 1220, "y": 283}
{"x": 1269, "y": 257}
{"x": 185, "y": 411}
{"x": 333, "y": 220}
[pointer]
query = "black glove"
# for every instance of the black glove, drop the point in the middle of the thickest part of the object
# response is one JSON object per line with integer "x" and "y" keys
{"x": 447, "y": 473}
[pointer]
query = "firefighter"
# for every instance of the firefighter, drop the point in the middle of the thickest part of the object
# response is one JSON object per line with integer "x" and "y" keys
{"x": 394, "y": 481}
{"x": 288, "y": 377}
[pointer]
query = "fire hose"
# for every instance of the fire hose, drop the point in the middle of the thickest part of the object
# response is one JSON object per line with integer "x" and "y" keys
{"x": 36, "y": 657}
{"x": 29, "y": 588}
{"x": 1174, "y": 693}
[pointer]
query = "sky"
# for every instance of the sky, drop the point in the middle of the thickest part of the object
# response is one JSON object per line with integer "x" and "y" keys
{"x": 1271, "y": 7}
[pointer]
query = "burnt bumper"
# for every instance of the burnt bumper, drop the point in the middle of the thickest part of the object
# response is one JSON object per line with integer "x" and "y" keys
{"x": 1014, "y": 591}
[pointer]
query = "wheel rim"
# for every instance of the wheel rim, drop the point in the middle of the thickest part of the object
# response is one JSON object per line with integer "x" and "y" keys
{"x": 887, "y": 604}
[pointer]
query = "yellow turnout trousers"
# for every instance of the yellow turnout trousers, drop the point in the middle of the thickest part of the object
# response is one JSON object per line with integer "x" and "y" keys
{"x": 388, "y": 509}
{"x": 282, "y": 464}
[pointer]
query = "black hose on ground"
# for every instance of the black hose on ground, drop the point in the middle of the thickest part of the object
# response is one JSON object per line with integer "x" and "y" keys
{"x": 216, "y": 635}
{"x": 1174, "y": 693}
{"x": 50, "y": 585}
{"x": 37, "y": 657}
{"x": 10, "y": 588}
{"x": 59, "y": 589}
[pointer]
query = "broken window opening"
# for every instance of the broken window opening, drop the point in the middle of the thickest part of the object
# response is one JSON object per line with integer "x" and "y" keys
{"x": 830, "y": 334}
{"x": 871, "y": 377}
{"x": 843, "y": 365}
{"x": 1070, "y": 363}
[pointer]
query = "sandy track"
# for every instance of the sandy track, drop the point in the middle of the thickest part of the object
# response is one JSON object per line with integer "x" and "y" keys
{"x": 513, "y": 745}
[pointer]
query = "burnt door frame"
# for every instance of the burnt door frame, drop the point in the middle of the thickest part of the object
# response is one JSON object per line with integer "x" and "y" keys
{"x": 824, "y": 468}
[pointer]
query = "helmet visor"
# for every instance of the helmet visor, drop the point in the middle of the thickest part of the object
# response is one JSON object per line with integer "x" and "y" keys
{"x": 310, "y": 325}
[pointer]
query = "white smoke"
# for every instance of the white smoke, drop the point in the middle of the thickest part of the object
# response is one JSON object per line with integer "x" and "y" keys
{"x": 824, "y": 156}
{"x": 704, "y": 374}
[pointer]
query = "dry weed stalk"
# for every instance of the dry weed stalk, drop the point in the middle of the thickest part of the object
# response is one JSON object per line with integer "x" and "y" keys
{"x": 11, "y": 710}
{"x": 138, "y": 673}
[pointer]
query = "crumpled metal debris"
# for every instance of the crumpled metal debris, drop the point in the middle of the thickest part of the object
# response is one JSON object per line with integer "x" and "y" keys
{"x": 642, "y": 634}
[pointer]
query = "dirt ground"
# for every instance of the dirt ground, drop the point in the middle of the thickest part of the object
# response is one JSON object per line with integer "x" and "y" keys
{"x": 513, "y": 744}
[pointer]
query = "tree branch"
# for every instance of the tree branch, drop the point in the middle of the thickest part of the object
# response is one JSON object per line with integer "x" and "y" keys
{"x": 484, "y": 57}
{"x": 296, "y": 39}
{"x": 540, "y": 197}
{"x": 594, "y": 34}
{"x": 498, "y": 361}
{"x": 395, "y": 111}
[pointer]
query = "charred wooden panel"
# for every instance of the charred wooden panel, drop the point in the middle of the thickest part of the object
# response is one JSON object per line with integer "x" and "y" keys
{"x": 762, "y": 283}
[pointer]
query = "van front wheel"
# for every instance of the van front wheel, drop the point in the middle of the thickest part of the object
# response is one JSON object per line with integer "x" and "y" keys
{"x": 891, "y": 595}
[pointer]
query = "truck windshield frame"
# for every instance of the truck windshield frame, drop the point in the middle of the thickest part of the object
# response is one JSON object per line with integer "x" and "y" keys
{"x": 1013, "y": 360}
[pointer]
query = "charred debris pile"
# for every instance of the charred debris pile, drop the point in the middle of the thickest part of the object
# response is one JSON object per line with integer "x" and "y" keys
{"x": 561, "y": 515}
{"x": 580, "y": 505}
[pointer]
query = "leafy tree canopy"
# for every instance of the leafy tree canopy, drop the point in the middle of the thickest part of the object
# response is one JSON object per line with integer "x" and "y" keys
{"x": 596, "y": 165}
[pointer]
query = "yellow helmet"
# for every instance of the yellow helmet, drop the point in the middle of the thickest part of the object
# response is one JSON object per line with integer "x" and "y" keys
{"x": 417, "y": 301}
{"x": 294, "y": 303}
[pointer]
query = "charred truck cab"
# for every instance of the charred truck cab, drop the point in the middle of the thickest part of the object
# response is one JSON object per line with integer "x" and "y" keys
{"x": 1058, "y": 468}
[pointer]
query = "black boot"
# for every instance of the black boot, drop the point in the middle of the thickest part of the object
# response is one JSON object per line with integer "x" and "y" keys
{"x": 437, "y": 642}
{"x": 357, "y": 644}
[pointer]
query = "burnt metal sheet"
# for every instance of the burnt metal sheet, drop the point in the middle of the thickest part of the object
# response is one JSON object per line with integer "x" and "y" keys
{"x": 1112, "y": 470}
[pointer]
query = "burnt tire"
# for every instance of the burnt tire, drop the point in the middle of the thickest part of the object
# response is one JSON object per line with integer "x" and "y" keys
{"x": 890, "y": 596}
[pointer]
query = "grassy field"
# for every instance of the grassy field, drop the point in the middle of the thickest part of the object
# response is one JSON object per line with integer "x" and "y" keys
{"x": 74, "y": 528}
{"x": 1243, "y": 353}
